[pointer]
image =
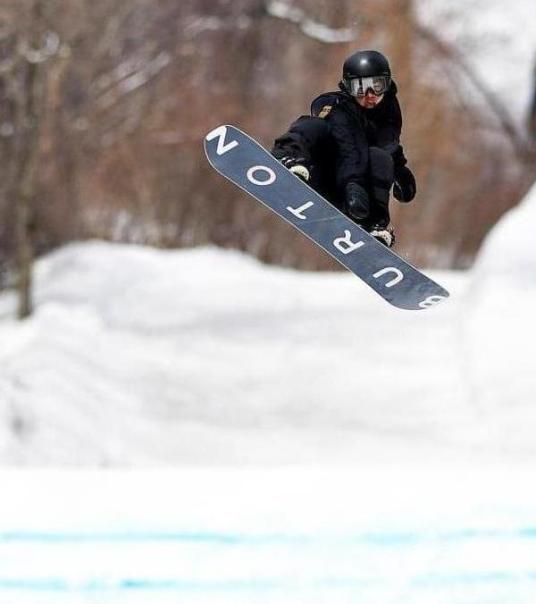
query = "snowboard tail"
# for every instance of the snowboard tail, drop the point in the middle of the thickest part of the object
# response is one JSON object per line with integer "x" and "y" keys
{"x": 248, "y": 165}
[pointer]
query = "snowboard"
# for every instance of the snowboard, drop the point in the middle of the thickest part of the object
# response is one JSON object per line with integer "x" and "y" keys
{"x": 248, "y": 165}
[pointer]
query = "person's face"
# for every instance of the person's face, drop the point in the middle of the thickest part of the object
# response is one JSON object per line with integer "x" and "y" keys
{"x": 370, "y": 100}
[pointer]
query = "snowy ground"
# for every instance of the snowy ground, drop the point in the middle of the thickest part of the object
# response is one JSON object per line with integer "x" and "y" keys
{"x": 370, "y": 534}
{"x": 140, "y": 356}
{"x": 326, "y": 447}
{"x": 206, "y": 356}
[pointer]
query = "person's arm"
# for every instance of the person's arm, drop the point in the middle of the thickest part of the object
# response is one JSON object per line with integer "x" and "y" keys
{"x": 291, "y": 149}
{"x": 389, "y": 130}
{"x": 388, "y": 137}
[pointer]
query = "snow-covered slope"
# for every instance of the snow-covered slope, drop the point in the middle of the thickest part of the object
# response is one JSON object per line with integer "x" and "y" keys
{"x": 500, "y": 325}
{"x": 371, "y": 534}
{"x": 137, "y": 355}
{"x": 206, "y": 357}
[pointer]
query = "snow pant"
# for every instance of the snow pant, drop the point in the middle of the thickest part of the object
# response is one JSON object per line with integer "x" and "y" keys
{"x": 380, "y": 178}
{"x": 310, "y": 138}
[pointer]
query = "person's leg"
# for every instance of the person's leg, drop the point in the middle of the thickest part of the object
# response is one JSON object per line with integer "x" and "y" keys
{"x": 306, "y": 143}
{"x": 381, "y": 178}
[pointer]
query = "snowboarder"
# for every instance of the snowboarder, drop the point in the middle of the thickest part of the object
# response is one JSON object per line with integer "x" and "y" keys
{"x": 349, "y": 149}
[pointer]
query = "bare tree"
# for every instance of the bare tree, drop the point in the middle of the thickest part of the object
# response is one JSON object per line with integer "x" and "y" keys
{"x": 28, "y": 47}
{"x": 71, "y": 83}
{"x": 37, "y": 45}
{"x": 104, "y": 104}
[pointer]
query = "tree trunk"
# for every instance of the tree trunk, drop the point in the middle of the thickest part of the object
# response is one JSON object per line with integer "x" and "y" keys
{"x": 29, "y": 118}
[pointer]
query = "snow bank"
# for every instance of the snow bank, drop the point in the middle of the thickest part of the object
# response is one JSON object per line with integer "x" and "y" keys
{"x": 499, "y": 322}
{"x": 205, "y": 356}
{"x": 136, "y": 355}
{"x": 508, "y": 253}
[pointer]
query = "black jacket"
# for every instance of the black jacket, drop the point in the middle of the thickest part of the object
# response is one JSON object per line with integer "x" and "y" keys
{"x": 354, "y": 129}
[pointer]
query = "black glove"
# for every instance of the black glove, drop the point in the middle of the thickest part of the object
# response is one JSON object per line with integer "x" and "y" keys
{"x": 357, "y": 202}
{"x": 298, "y": 166}
{"x": 405, "y": 187}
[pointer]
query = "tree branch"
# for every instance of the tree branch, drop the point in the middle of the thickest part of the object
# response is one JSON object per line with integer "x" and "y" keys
{"x": 313, "y": 29}
{"x": 129, "y": 76}
{"x": 502, "y": 115}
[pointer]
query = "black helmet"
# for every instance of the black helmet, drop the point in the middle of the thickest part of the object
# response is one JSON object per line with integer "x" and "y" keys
{"x": 365, "y": 64}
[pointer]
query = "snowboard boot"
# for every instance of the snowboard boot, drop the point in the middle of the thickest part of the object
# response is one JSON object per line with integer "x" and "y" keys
{"x": 384, "y": 234}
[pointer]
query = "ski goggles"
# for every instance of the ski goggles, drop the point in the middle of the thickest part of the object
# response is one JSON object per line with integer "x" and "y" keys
{"x": 378, "y": 85}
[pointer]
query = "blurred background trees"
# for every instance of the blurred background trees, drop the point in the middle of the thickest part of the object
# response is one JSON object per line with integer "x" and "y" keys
{"x": 104, "y": 105}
